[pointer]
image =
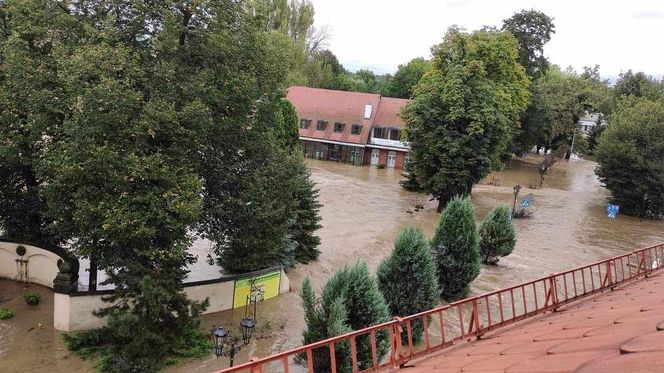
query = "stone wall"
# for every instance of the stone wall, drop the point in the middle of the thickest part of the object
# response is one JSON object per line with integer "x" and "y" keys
{"x": 36, "y": 265}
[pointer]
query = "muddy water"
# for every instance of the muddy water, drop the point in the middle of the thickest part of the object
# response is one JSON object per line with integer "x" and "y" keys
{"x": 364, "y": 208}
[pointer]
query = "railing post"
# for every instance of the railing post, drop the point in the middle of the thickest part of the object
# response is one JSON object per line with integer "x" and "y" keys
{"x": 397, "y": 347}
{"x": 255, "y": 368}
{"x": 609, "y": 275}
{"x": 553, "y": 291}
{"x": 476, "y": 319}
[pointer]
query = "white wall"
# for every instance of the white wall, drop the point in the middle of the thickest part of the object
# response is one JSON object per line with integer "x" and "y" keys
{"x": 42, "y": 265}
{"x": 74, "y": 312}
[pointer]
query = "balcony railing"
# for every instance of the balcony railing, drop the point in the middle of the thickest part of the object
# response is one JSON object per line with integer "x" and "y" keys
{"x": 386, "y": 142}
{"x": 472, "y": 317}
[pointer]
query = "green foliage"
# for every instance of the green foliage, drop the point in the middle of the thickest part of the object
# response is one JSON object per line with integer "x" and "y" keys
{"x": 594, "y": 136}
{"x": 465, "y": 110}
{"x": 532, "y": 29}
{"x": 536, "y": 123}
{"x": 32, "y": 298}
{"x": 638, "y": 85}
{"x": 112, "y": 356}
{"x": 406, "y": 77}
{"x": 410, "y": 183}
{"x": 6, "y": 313}
{"x": 630, "y": 154}
{"x": 497, "y": 236}
{"x": 407, "y": 278}
{"x": 351, "y": 300}
{"x": 456, "y": 249}
{"x": 307, "y": 219}
{"x": 569, "y": 96}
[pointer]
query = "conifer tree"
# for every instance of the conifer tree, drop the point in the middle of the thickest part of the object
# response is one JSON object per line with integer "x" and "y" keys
{"x": 306, "y": 217}
{"x": 456, "y": 248}
{"x": 497, "y": 236}
{"x": 364, "y": 306}
{"x": 407, "y": 278}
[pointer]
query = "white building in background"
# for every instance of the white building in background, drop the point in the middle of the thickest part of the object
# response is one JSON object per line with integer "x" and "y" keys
{"x": 588, "y": 121}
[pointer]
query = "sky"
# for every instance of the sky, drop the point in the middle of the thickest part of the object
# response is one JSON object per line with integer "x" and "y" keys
{"x": 616, "y": 34}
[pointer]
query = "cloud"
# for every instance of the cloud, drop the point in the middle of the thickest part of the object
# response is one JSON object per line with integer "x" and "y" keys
{"x": 648, "y": 15}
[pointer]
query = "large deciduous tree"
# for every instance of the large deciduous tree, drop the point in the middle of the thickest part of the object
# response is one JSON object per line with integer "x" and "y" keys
{"x": 406, "y": 77}
{"x": 465, "y": 110}
{"x": 630, "y": 154}
{"x": 532, "y": 30}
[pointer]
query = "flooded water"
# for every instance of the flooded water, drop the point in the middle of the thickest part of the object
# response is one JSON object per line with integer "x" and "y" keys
{"x": 364, "y": 208}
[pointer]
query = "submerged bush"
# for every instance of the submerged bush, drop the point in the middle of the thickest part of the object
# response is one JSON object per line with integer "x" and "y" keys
{"x": 497, "y": 236}
{"x": 32, "y": 298}
{"x": 6, "y": 313}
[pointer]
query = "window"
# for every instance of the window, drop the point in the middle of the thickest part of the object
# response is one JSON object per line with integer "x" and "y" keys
{"x": 356, "y": 129}
{"x": 378, "y": 132}
{"x": 395, "y": 135}
{"x": 338, "y": 127}
{"x": 304, "y": 123}
{"x": 321, "y": 125}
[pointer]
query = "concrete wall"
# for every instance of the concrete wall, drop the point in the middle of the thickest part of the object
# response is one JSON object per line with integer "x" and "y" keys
{"x": 41, "y": 265}
{"x": 73, "y": 312}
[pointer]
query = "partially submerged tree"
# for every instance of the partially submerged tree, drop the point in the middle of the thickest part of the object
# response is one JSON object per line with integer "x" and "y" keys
{"x": 465, "y": 110}
{"x": 407, "y": 278}
{"x": 497, "y": 236}
{"x": 456, "y": 249}
{"x": 630, "y": 154}
{"x": 350, "y": 300}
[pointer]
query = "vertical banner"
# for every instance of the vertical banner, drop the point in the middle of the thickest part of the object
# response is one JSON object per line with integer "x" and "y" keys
{"x": 267, "y": 285}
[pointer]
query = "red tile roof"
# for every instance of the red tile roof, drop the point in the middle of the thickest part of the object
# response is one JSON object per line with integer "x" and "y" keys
{"x": 345, "y": 107}
{"x": 614, "y": 331}
{"x": 388, "y": 112}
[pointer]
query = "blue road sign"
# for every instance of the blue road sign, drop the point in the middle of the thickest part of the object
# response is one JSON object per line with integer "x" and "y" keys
{"x": 612, "y": 211}
{"x": 526, "y": 202}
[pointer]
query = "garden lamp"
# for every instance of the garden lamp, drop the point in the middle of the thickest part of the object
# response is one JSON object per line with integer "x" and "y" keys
{"x": 247, "y": 329}
{"x": 219, "y": 336}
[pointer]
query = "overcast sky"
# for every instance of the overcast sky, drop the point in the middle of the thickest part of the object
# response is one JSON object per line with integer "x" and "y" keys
{"x": 381, "y": 34}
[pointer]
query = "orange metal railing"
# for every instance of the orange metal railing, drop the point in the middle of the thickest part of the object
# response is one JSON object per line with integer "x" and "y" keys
{"x": 471, "y": 317}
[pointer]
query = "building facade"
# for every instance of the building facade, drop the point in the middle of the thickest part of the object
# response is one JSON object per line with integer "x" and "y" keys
{"x": 350, "y": 127}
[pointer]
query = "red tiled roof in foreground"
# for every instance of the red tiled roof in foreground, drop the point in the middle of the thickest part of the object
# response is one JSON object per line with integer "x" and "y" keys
{"x": 614, "y": 331}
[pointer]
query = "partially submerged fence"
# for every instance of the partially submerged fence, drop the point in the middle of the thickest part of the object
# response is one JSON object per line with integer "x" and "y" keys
{"x": 468, "y": 318}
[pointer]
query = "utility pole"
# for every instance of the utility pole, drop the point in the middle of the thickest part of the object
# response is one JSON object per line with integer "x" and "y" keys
{"x": 571, "y": 150}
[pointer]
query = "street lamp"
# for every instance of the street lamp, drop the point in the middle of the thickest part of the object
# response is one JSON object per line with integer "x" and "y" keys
{"x": 220, "y": 335}
{"x": 517, "y": 189}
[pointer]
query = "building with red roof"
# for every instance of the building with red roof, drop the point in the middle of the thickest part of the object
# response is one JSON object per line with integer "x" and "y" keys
{"x": 351, "y": 127}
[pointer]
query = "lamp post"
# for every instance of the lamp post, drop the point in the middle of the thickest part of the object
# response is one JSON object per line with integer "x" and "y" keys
{"x": 220, "y": 335}
{"x": 517, "y": 189}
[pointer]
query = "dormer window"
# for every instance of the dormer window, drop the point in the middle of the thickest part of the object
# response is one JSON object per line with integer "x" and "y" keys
{"x": 304, "y": 123}
{"x": 356, "y": 129}
{"x": 322, "y": 124}
{"x": 368, "y": 109}
{"x": 338, "y": 127}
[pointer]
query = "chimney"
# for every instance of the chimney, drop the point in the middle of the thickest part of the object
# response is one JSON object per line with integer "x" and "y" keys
{"x": 367, "y": 110}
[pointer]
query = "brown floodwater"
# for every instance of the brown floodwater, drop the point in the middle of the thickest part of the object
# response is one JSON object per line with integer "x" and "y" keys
{"x": 364, "y": 208}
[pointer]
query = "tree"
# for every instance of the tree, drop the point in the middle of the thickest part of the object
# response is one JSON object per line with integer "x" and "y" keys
{"x": 456, "y": 249}
{"x": 307, "y": 218}
{"x": 410, "y": 183}
{"x": 638, "y": 85}
{"x": 532, "y": 30}
{"x": 406, "y": 77}
{"x": 594, "y": 136}
{"x": 497, "y": 236}
{"x": 630, "y": 154}
{"x": 140, "y": 123}
{"x": 354, "y": 292}
{"x": 464, "y": 111}
{"x": 407, "y": 278}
